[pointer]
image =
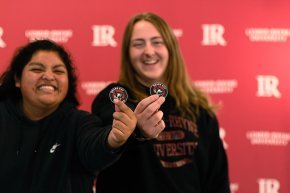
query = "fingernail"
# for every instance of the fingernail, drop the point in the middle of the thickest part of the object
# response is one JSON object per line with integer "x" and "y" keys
{"x": 156, "y": 96}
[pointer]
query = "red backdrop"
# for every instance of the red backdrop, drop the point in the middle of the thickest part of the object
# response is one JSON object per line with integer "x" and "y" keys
{"x": 239, "y": 52}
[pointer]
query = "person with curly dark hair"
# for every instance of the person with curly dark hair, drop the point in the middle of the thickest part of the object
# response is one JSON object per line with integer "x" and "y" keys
{"x": 47, "y": 145}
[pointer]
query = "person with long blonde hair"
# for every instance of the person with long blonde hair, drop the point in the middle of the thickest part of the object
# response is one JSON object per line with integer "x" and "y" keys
{"x": 187, "y": 156}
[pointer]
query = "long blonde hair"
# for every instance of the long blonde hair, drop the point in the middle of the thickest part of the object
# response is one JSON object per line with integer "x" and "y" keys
{"x": 177, "y": 79}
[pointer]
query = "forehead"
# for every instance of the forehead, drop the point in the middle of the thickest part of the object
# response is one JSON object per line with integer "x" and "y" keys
{"x": 144, "y": 29}
{"x": 46, "y": 57}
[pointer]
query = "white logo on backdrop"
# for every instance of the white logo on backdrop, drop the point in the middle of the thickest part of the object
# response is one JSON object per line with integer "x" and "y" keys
{"x": 178, "y": 32}
{"x": 268, "y": 185}
{"x": 2, "y": 43}
{"x": 273, "y": 138}
{"x": 94, "y": 87}
{"x": 217, "y": 86}
{"x": 267, "y": 34}
{"x": 213, "y": 35}
{"x": 103, "y": 35}
{"x": 268, "y": 86}
{"x": 61, "y": 36}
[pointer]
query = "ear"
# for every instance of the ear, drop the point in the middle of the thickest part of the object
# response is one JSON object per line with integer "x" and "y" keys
{"x": 17, "y": 81}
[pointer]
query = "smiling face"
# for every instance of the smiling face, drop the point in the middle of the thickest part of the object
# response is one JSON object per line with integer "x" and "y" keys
{"x": 148, "y": 53}
{"x": 44, "y": 82}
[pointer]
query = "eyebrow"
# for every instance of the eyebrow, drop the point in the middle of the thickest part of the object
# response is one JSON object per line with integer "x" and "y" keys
{"x": 151, "y": 39}
{"x": 156, "y": 37}
{"x": 142, "y": 39}
{"x": 42, "y": 65}
{"x": 137, "y": 39}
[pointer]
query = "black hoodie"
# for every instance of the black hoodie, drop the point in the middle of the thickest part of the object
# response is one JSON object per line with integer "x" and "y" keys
{"x": 60, "y": 153}
{"x": 187, "y": 157}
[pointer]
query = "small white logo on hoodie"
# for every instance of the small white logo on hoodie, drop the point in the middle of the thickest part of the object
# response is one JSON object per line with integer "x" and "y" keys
{"x": 53, "y": 148}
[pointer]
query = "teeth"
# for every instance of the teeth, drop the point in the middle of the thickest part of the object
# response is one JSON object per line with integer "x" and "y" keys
{"x": 46, "y": 88}
{"x": 150, "y": 61}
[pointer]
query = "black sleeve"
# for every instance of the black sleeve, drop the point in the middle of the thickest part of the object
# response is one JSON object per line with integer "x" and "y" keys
{"x": 102, "y": 106}
{"x": 212, "y": 158}
{"x": 92, "y": 144}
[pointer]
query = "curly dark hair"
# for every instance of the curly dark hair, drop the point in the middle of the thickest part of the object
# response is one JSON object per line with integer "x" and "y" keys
{"x": 22, "y": 56}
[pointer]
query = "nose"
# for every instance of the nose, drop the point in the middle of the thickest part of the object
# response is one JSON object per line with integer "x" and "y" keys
{"x": 149, "y": 50}
{"x": 48, "y": 76}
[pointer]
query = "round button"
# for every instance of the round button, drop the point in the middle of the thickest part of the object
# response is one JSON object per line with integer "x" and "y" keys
{"x": 158, "y": 88}
{"x": 118, "y": 93}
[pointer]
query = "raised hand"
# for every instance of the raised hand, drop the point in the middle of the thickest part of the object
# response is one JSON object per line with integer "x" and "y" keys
{"x": 123, "y": 126}
{"x": 149, "y": 117}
